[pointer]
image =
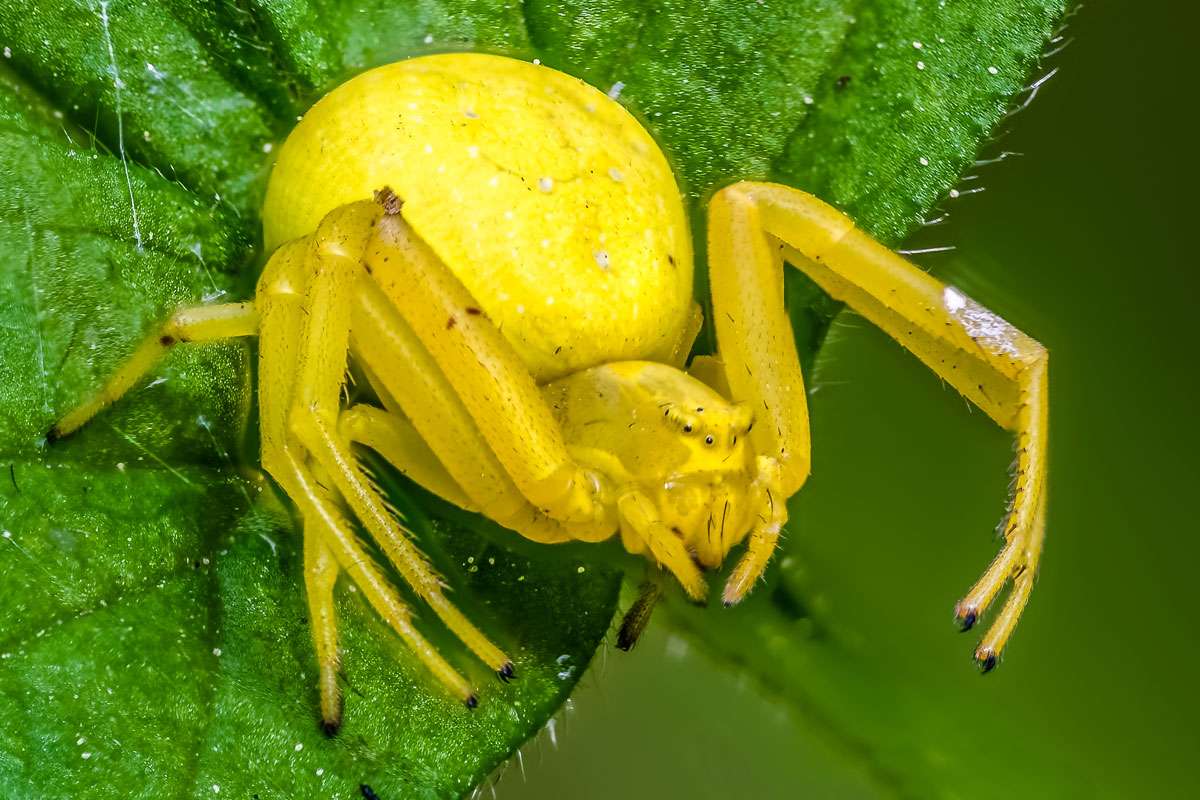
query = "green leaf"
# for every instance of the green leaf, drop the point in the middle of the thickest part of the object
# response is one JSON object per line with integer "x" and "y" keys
{"x": 154, "y": 637}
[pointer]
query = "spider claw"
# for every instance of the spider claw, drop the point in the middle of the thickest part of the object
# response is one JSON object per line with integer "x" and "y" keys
{"x": 471, "y": 702}
{"x": 53, "y": 435}
{"x": 966, "y": 618}
{"x": 330, "y": 727}
{"x": 987, "y": 659}
{"x": 506, "y": 673}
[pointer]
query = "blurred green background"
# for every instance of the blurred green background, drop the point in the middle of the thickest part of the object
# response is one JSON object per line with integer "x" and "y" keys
{"x": 1080, "y": 242}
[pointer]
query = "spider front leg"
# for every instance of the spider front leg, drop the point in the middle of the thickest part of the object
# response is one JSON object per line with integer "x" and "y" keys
{"x": 336, "y": 257}
{"x": 754, "y": 226}
{"x": 282, "y": 316}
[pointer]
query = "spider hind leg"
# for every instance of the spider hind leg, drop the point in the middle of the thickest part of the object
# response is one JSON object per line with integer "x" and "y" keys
{"x": 754, "y": 228}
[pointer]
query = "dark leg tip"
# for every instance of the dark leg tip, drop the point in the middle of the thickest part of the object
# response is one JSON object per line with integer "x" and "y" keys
{"x": 367, "y": 792}
{"x": 471, "y": 702}
{"x": 967, "y": 621}
{"x": 330, "y": 727}
{"x": 506, "y": 672}
{"x": 625, "y": 642}
{"x": 53, "y": 435}
{"x": 987, "y": 661}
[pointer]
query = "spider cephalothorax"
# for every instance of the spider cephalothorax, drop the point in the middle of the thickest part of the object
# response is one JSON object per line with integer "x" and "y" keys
{"x": 656, "y": 434}
{"x": 519, "y": 299}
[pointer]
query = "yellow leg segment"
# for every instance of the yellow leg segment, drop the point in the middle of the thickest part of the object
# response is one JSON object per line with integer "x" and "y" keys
{"x": 324, "y": 345}
{"x": 640, "y": 513}
{"x": 320, "y": 575}
{"x": 485, "y": 372}
{"x": 754, "y": 335}
{"x": 992, "y": 364}
{"x": 194, "y": 324}
{"x": 409, "y": 381}
{"x": 280, "y": 300}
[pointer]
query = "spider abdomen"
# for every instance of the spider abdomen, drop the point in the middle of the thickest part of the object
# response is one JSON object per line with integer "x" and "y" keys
{"x": 547, "y": 198}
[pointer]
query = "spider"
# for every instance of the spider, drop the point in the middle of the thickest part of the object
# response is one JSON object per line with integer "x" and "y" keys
{"x": 502, "y": 251}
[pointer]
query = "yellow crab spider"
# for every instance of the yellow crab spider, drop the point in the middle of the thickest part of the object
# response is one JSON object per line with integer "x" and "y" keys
{"x": 502, "y": 250}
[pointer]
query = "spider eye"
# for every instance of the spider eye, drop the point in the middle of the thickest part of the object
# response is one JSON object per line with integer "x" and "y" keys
{"x": 687, "y": 428}
{"x": 708, "y": 440}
